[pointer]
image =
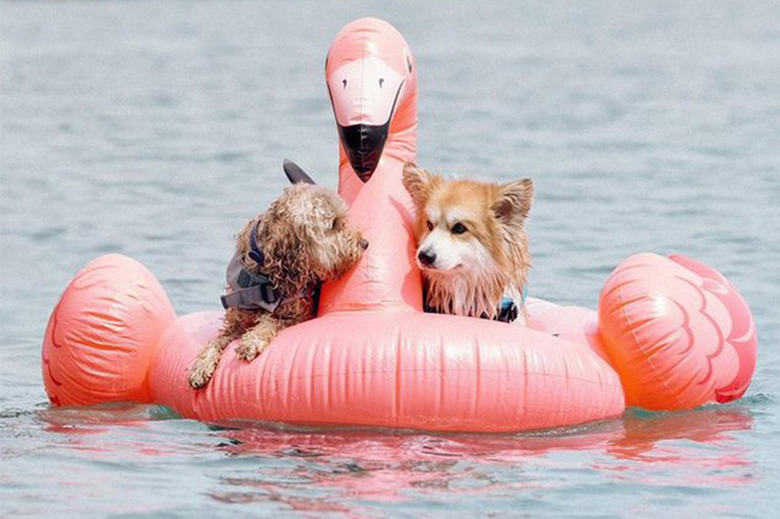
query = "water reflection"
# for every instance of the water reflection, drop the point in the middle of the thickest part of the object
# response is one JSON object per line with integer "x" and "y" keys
{"x": 389, "y": 466}
{"x": 355, "y": 471}
{"x": 643, "y": 432}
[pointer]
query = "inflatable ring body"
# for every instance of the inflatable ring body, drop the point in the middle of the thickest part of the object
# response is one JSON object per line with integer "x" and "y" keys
{"x": 670, "y": 333}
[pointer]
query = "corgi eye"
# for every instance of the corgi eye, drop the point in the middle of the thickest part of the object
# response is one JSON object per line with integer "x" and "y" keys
{"x": 459, "y": 228}
{"x": 429, "y": 225}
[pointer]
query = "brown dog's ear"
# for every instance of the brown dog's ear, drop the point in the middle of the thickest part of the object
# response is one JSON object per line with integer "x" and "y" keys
{"x": 287, "y": 251}
{"x": 418, "y": 182}
{"x": 514, "y": 200}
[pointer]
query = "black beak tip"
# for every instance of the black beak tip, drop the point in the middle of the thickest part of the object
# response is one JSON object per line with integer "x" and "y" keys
{"x": 364, "y": 145}
{"x": 362, "y": 170}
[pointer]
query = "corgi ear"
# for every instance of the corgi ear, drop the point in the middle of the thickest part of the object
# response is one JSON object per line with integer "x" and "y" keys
{"x": 418, "y": 182}
{"x": 514, "y": 200}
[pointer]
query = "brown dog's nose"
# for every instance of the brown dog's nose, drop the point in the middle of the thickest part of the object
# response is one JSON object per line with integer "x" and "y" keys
{"x": 363, "y": 243}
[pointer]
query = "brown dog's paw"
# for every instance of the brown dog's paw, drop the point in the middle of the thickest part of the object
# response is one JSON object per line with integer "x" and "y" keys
{"x": 200, "y": 375}
{"x": 249, "y": 348}
{"x": 205, "y": 365}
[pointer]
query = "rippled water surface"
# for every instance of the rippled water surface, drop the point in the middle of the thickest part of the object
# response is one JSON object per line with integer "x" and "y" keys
{"x": 155, "y": 128}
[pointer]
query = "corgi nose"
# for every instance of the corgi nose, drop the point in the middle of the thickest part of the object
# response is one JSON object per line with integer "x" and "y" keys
{"x": 426, "y": 258}
{"x": 363, "y": 243}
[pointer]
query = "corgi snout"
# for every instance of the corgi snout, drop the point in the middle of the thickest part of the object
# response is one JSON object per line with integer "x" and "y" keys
{"x": 426, "y": 257}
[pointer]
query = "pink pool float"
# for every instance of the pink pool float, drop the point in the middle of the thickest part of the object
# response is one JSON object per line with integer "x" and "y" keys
{"x": 670, "y": 333}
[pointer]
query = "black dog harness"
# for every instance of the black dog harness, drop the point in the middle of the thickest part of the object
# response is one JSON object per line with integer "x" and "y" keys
{"x": 250, "y": 291}
{"x": 508, "y": 311}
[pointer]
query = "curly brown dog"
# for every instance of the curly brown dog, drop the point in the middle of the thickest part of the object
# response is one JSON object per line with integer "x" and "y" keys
{"x": 281, "y": 256}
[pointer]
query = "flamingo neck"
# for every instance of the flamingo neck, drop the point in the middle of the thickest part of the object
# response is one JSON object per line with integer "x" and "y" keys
{"x": 387, "y": 277}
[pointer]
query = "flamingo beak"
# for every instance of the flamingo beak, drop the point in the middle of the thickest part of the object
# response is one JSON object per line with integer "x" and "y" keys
{"x": 364, "y": 144}
{"x": 364, "y": 94}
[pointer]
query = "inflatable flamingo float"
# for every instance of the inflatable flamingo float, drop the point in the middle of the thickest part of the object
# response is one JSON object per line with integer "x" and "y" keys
{"x": 670, "y": 333}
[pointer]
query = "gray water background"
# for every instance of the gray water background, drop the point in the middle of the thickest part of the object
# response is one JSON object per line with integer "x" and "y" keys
{"x": 155, "y": 128}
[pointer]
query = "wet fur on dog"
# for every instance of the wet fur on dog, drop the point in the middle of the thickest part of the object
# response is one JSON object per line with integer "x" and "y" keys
{"x": 305, "y": 239}
{"x": 473, "y": 247}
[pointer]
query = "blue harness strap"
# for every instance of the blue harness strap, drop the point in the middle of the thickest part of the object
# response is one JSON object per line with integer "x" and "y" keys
{"x": 254, "y": 251}
{"x": 507, "y": 312}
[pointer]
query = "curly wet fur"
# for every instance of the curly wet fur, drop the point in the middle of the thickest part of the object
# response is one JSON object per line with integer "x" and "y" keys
{"x": 305, "y": 239}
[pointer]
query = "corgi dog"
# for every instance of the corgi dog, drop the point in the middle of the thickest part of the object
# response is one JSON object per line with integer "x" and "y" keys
{"x": 472, "y": 244}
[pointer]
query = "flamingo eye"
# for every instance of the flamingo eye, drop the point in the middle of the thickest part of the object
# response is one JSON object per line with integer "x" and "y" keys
{"x": 429, "y": 225}
{"x": 381, "y": 80}
{"x": 344, "y": 82}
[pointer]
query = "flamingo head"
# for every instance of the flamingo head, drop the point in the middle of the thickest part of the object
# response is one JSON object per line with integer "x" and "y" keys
{"x": 372, "y": 82}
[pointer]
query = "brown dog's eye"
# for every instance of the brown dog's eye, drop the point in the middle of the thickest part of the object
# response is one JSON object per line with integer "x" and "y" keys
{"x": 429, "y": 225}
{"x": 459, "y": 228}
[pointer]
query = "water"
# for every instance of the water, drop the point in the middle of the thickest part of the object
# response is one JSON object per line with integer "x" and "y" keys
{"x": 155, "y": 128}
